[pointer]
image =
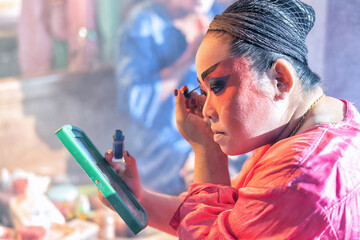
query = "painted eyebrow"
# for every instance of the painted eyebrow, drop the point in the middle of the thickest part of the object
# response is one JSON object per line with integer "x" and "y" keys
{"x": 209, "y": 70}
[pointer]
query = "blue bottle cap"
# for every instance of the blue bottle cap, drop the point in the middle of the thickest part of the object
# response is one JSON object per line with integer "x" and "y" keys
{"x": 118, "y": 135}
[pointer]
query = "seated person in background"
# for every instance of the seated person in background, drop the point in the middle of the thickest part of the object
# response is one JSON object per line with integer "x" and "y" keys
{"x": 302, "y": 180}
{"x": 156, "y": 53}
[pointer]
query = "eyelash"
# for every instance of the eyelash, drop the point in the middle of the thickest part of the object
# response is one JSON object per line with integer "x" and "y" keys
{"x": 203, "y": 92}
{"x": 216, "y": 85}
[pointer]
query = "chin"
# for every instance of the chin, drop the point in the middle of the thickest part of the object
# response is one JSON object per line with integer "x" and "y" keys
{"x": 232, "y": 151}
{"x": 229, "y": 151}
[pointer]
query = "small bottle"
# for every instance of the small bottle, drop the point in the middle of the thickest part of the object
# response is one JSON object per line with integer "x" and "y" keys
{"x": 107, "y": 225}
{"x": 118, "y": 146}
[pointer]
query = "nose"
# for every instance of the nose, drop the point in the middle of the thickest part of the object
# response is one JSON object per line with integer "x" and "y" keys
{"x": 209, "y": 111}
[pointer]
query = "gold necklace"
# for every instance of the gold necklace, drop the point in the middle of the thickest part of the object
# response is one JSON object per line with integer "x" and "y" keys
{"x": 304, "y": 116}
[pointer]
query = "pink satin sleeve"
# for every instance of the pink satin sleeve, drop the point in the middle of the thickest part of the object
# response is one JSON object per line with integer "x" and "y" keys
{"x": 223, "y": 212}
{"x": 204, "y": 212}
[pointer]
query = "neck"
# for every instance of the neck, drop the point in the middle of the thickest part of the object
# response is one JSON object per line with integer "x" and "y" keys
{"x": 305, "y": 106}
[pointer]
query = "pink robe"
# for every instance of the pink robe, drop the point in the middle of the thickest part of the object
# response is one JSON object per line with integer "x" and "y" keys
{"x": 303, "y": 187}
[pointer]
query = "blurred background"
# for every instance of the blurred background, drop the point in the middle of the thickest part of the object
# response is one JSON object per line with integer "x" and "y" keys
{"x": 103, "y": 65}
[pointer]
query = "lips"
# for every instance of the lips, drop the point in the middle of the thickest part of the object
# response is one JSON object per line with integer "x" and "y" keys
{"x": 217, "y": 131}
{"x": 219, "y": 137}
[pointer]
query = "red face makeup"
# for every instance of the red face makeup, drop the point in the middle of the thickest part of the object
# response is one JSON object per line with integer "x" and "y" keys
{"x": 237, "y": 109}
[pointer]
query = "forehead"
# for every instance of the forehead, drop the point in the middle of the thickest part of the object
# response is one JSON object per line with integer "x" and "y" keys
{"x": 211, "y": 51}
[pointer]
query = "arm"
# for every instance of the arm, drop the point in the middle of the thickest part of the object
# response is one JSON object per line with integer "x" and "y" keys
{"x": 273, "y": 202}
{"x": 137, "y": 61}
{"x": 211, "y": 164}
{"x": 160, "y": 207}
{"x": 138, "y": 71}
{"x": 173, "y": 74}
{"x": 221, "y": 212}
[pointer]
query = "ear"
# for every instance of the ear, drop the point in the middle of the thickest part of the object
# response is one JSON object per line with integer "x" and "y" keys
{"x": 284, "y": 77}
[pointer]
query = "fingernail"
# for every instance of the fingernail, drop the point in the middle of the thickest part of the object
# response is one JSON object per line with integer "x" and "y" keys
{"x": 108, "y": 152}
{"x": 176, "y": 92}
{"x": 127, "y": 153}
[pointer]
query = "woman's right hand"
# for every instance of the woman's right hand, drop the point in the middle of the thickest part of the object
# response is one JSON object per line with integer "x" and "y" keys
{"x": 129, "y": 174}
{"x": 211, "y": 164}
{"x": 189, "y": 119}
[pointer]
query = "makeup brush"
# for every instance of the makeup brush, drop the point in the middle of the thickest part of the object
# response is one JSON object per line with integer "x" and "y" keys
{"x": 187, "y": 94}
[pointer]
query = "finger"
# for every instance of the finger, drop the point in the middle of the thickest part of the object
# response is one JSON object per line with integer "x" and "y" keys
{"x": 184, "y": 89}
{"x": 198, "y": 110}
{"x": 130, "y": 165}
{"x": 115, "y": 165}
{"x": 202, "y": 99}
{"x": 180, "y": 105}
{"x": 193, "y": 100}
{"x": 199, "y": 104}
{"x": 109, "y": 156}
{"x": 104, "y": 200}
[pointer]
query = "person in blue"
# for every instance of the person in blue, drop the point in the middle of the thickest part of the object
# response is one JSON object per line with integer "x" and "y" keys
{"x": 156, "y": 53}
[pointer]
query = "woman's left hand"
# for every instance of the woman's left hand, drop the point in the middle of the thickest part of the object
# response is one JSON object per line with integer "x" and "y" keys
{"x": 129, "y": 174}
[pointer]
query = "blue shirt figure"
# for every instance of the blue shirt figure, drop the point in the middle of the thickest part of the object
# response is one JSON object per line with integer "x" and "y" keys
{"x": 148, "y": 43}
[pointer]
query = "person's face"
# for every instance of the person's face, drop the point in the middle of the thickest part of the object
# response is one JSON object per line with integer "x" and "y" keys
{"x": 242, "y": 116}
{"x": 202, "y": 6}
{"x": 197, "y": 6}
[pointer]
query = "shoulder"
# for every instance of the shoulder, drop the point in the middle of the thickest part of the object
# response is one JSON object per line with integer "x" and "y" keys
{"x": 143, "y": 16}
{"x": 313, "y": 176}
{"x": 312, "y": 152}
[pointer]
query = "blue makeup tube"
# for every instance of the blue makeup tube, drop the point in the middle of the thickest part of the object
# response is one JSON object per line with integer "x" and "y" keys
{"x": 118, "y": 146}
